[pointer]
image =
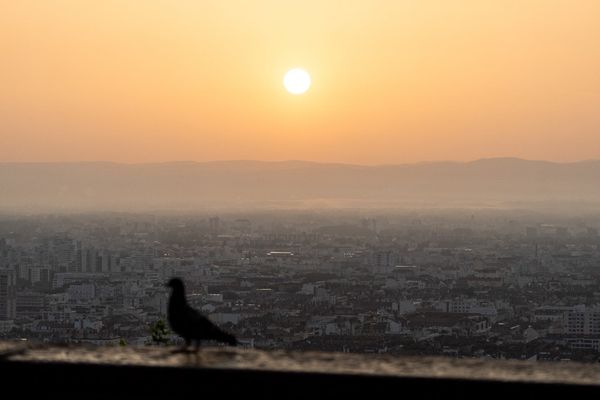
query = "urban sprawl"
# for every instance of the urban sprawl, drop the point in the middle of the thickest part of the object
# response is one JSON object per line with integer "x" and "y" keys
{"x": 460, "y": 283}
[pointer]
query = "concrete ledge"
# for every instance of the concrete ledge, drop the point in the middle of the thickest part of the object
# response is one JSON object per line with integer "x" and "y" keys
{"x": 153, "y": 372}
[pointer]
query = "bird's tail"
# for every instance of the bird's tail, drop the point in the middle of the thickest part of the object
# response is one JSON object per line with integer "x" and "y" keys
{"x": 225, "y": 337}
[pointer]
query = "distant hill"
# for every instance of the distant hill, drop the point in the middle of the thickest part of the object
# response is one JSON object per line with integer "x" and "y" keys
{"x": 191, "y": 185}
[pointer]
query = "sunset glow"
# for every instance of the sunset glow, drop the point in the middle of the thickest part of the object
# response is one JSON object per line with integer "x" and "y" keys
{"x": 398, "y": 81}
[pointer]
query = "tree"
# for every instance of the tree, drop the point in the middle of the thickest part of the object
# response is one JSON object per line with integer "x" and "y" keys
{"x": 160, "y": 333}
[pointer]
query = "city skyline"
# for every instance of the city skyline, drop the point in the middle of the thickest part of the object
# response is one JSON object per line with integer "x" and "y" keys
{"x": 394, "y": 179}
{"x": 498, "y": 284}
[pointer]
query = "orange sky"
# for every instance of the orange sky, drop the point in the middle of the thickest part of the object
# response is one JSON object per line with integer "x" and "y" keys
{"x": 393, "y": 81}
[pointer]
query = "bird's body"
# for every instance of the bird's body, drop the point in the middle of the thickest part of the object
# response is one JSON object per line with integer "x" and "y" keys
{"x": 189, "y": 323}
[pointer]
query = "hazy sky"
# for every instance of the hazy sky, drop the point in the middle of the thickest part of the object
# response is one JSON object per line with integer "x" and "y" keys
{"x": 393, "y": 81}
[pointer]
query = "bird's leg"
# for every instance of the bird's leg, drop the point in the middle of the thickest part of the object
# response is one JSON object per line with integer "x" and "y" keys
{"x": 188, "y": 342}
{"x": 184, "y": 348}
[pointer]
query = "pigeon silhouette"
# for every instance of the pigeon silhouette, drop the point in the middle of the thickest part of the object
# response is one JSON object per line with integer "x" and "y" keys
{"x": 189, "y": 323}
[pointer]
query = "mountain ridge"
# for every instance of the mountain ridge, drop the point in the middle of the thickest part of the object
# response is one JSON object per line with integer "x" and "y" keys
{"x": 185, "y": 184}
{"x": 294, "y": 161}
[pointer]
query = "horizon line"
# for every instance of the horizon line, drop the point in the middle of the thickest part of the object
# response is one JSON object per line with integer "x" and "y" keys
{"x": 301, "y": 161}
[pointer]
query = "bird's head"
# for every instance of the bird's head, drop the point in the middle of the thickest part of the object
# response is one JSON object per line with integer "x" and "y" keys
{"x": 175, "y": 284}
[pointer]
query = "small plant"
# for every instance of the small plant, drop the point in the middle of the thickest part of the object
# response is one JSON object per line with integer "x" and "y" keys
{"x": 160, "y": 333}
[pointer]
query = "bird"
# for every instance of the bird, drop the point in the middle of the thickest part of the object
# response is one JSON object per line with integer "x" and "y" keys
{"x": 190, "y": 324}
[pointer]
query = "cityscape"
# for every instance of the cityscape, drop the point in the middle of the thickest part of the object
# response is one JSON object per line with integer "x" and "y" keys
{"x": 467, "y": 283}
{"x": 276, "y": 199}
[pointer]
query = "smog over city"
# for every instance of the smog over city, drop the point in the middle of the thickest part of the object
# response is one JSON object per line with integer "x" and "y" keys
{"x": 389, "y": 178}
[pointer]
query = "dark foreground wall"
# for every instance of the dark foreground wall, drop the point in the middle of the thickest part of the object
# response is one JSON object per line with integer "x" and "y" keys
{"x": 151, "y": 373}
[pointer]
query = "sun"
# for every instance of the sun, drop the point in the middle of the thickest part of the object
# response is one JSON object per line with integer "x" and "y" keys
{"x": 296, "y": 81}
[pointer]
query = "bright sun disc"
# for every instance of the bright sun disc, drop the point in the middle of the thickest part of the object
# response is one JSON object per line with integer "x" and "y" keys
{"x": 296, "y": 81}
